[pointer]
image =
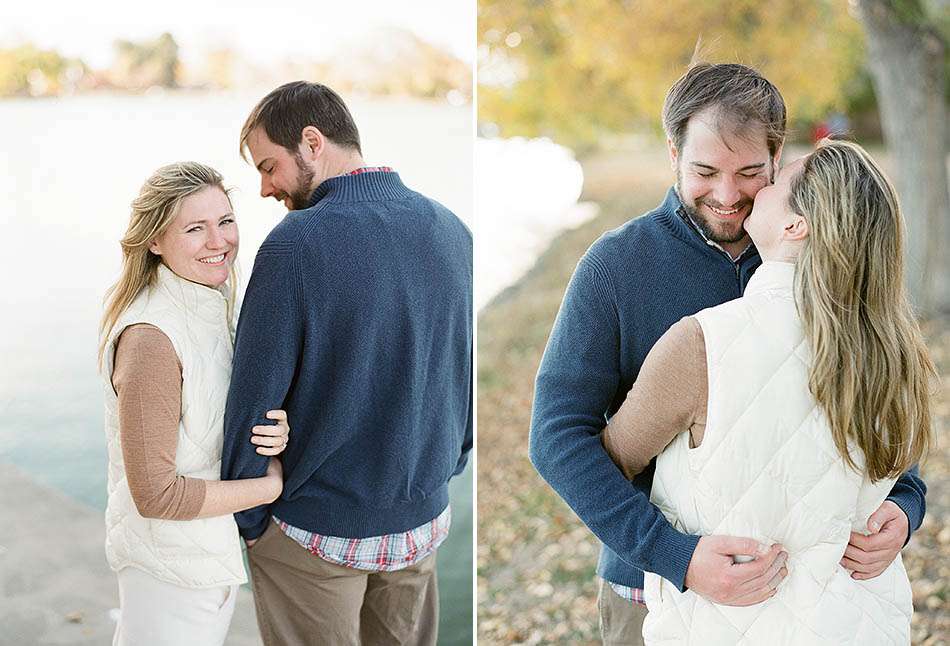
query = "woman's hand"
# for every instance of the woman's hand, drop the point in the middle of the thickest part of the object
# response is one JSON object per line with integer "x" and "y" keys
{"x": 275, "y": 478}
{"x": 272, "y": 438}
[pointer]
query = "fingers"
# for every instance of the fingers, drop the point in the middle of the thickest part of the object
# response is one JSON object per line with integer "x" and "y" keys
{"x": 280, "y": 415}
{"x": 860, "y": 556}
{"x": 887, "y": 512}
{"x": 270, "y": 429}
{"x": 769, "y": 579}
{"x": 761, "y": 565}
{"x": 871, "y": 569}
{"x": 269, "y": 444}
{"x": 886, "y": 539}
{"x": 858, "y": 576}
{"x": 752, "y": 598}
{"x": 731, "y": 545}
{"x": 269, "y": 440}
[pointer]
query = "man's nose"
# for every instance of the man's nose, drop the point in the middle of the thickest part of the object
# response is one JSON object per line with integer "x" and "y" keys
{"x": 727, "y": 192}
{"x": 267, "y": 188}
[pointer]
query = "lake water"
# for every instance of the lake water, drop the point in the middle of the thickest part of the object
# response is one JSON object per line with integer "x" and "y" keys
{"x": 68, "y": 170}
{"x": 526, "y": 193}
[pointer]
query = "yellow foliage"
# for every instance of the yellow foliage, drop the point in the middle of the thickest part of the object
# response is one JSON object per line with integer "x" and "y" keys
{"x": 578, "y": 71}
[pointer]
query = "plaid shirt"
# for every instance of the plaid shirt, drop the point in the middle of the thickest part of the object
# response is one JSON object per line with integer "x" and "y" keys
{"x": 385, "y": 553}
{"x": 633, "y": 595}
{"x": 370, "y": 169}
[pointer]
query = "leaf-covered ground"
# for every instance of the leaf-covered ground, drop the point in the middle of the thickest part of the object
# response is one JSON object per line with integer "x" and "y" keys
{"x": 536, "y": 560}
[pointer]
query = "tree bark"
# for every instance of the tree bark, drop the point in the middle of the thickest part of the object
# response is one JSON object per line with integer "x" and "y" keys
{"x": 906, "y": 58}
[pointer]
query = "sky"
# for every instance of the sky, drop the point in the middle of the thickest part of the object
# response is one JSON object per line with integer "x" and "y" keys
{"x": 262, "y": 30}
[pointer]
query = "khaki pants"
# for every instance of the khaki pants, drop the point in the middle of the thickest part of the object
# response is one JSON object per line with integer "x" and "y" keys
{"x": 303, "y": 600}
{"x": 621, "y": 621}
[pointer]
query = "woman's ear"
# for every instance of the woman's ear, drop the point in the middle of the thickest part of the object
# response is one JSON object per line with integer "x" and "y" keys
{"x": 155, "y": 248}
{"x": 796, "y": 230}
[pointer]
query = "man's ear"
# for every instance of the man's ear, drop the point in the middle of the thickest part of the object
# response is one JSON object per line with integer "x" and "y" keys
{"x": 797, "y": 230}
{"x": 674, "y": 153}
{"x": 776, "y": 160}
{"x": 312, "y": 142}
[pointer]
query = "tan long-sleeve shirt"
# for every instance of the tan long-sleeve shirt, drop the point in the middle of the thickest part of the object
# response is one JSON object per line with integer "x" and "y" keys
{"x": 669, "y": 396}
{"x": 147, "y": 381}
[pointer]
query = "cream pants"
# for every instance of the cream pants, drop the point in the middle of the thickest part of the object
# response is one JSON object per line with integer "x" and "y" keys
{"x": 155, "y": 613}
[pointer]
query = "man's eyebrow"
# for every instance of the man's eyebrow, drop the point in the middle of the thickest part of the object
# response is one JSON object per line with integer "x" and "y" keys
{"x": 744, "y": 169}
{"x": 263, "y": 161}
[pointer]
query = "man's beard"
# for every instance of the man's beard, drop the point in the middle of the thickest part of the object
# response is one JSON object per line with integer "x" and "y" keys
{"x": 711, "y": 232}
{"x": 300, "y": 197}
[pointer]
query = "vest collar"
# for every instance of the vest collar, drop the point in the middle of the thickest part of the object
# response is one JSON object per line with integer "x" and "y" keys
{"x": 207, "y": 303}
{"x": 772, "y": 276}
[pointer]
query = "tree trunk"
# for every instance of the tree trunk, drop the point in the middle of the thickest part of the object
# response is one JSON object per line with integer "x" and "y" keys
{"x": 907, "y": 66}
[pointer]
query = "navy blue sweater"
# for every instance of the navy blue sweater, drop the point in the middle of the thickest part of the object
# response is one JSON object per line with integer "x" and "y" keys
{"x": 628, "y": 289}
{"x": 357, "y": 321}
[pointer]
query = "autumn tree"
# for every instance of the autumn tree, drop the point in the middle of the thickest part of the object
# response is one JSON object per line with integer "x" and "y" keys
{"x": 579, "y": 71}
{"x": 147, "y": 64}
{"x": 907, "y": 53}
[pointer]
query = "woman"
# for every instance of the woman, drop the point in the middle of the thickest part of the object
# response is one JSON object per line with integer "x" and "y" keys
{"x": 787, "y": 414}
{"x": 165, "y": 357}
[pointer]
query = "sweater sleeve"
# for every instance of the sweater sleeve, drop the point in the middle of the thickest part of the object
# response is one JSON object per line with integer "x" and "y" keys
{"x": 147, "y": 381}
{"x": 668, "y": 397}
{"x": 267, "y": 348}
{"x": 910, "y": 494}
{"x": 469, "y": 437}
{"x": 576, "y": 383}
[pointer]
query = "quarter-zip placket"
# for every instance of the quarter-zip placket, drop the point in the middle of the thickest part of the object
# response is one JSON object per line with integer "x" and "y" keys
{"x": 681, "y": 211}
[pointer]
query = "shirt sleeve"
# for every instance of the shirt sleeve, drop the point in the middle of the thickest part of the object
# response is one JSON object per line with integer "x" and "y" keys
{"x": 668, "y": 397}
{"x": 267, "y": 346}
{"x": 576, "y": 384}
{"x": 147, "y": 381}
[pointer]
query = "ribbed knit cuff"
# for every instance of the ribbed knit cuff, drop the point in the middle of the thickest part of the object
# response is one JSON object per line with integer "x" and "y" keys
{"x": 254, "y": 531}
{"x": 672, "y": 553}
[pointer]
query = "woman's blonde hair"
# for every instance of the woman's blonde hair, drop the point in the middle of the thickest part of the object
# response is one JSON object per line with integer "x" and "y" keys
{"x": 153, "y": 211}
{"x": 871, "y": 373}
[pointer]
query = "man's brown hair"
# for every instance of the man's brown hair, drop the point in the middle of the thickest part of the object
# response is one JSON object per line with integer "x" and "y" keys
{"x": 286, "y": 111}
{"x": 741, "y": 96}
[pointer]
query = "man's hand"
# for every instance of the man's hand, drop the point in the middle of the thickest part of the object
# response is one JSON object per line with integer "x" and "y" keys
{"x": 713, "y": 573}
{"x": 868, "y": 556}
{"x": 250, "y": 542}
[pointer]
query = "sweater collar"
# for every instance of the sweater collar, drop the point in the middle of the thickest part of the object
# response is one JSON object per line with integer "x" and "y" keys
{"x": 362, "y": 187}
{"x": 772, "y": 276}
{"x": 675, "y": 216}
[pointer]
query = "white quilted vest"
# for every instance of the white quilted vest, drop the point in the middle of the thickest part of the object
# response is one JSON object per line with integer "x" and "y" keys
{"x": 768, "y": 469}
{"x": 192, "y": 553}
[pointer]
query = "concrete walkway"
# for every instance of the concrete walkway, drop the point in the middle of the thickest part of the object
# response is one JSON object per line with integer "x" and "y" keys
{"x": 55, "y": 585}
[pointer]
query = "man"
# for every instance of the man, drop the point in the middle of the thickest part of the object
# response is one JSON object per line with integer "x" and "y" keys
{"x": 725, "y": 126}
{"x": 358, "y": 322}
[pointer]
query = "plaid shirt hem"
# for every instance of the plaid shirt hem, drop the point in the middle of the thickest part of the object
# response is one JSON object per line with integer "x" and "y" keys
{"x": 386, "y": 553}
{"x": 633, "y": 595}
